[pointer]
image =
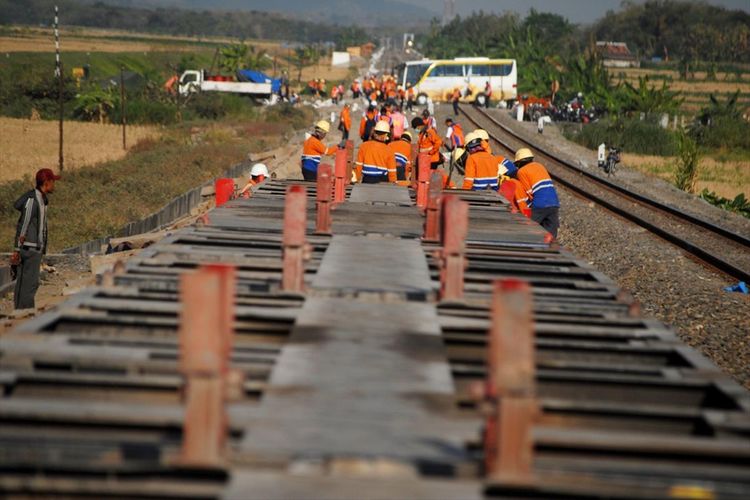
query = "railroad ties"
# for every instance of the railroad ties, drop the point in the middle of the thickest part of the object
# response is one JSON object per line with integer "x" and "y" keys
{"x": 256, "y": 356}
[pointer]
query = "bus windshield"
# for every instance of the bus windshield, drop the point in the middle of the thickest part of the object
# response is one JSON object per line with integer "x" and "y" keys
{"x": 414, "y": 72}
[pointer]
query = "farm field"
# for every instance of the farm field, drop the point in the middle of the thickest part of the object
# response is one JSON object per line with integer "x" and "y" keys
{"x": 29, "y": 145}
{"x": 727, "y": 176}
{"x": 696, "y": 91}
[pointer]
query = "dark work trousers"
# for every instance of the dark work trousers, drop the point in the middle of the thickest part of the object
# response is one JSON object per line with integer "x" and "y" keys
{"x": 548, "y": 218}
{"x": 309, "y": 175}
{"x": 455, "y": 108}
{"x": 487, "y": 102}
{"x": 373, "y": 179}
{"x": 344, "y": 135}
{"x": 27, "y": 280}
{"x": 401, "y": 173}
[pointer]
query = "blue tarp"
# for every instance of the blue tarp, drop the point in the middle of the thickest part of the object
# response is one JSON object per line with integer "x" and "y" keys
{"x": 248, "y": 75}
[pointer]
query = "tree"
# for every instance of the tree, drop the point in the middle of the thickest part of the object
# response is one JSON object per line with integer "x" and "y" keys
{"x": 94, "y": 104}
{"x": 241, "y": 56}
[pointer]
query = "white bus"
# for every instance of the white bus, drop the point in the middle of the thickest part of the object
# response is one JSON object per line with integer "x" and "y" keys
{"x": 436, "y": 79}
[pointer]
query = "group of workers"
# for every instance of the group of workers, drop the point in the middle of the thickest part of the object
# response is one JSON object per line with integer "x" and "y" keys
{"x": 385, "y": 89}
{"x": 385, "y": 156}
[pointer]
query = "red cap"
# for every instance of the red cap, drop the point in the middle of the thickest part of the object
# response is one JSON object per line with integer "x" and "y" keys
{"x": 45, "y": 174}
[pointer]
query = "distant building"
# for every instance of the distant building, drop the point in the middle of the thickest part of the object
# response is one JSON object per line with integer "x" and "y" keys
{"x": 617, "y": 55}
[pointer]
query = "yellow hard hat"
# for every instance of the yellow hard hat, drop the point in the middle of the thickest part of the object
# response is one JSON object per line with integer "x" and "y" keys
{"x": 382, "y": 127}
{"x": 458, "y": 153}
{"x": 501, "y": 170}
{"x": 324, "y": 126}
{"x": 524, "y": 154}
{"x": 470, "y": 137}
{"x": 482, "y": 134}
{"x": 406, "y": 135}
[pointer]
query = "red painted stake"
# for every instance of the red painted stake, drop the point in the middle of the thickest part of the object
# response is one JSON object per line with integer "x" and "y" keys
{"x": 294, "y": 241}
{"x": 205, "y": 333}
{"x": 423, "y": 179}
{"x": 434, "y": 201}
{"x": 323, "y": 200}
{"x": 349, "y": 162}
{"x": 455, "y": 217}
{"x": 341, "y": 177}
{"x": 511, "y": 383}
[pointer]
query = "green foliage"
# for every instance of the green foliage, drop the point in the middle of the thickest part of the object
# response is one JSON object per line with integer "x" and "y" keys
{"x": 686, "y": 173}
{"x": 649, "y": 99}
{"x": 94, "y": 104}
{"x": 721, "y": 125}
{"x": 740, "y": 204}
{"x": 631, "y": 135}
{"x": 241, "y": 56}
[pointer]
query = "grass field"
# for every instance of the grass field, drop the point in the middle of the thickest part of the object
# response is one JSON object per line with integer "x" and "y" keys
{"x": 728, "y": 175}
{"x": 695, "y": 91}
{"x": 29, "y": 145}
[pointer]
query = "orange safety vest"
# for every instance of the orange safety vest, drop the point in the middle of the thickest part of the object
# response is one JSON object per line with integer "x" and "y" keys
{"x": 430, "y": 142}
{"x": 312, "y": 151}
{"x": 480, "y": 171}
{"x": 457, "y": 136}
{"x": 376, "y": 158}
{"x": 512, "y": 190}
{"x": 402, "y": 152}
{"x": 346, "y": 119}
{"x": 537, "y": 184}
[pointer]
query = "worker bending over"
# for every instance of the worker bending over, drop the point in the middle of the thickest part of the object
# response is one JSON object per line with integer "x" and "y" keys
{"x": 313, "y": 150}
{"x": 258, "y": 174}
{"x": 401, "y": 149}
{"x": 375, "y": 160}
{"x": 513, "y": 191}
{"x": 541, "y": 195}
{"x": 481, "y": 167}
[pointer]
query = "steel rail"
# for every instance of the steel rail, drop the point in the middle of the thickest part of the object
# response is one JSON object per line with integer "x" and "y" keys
{"x": 695, "y": 250}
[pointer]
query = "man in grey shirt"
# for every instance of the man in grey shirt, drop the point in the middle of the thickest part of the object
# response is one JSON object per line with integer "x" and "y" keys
{"x": 31, "y": 238}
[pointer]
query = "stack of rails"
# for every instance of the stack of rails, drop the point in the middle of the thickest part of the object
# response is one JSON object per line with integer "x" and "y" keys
{"x": 362, "y": 385}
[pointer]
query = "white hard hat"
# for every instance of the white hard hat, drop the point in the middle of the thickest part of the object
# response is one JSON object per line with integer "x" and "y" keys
{"x": 259, "y": 169}
{"x": 383, "y": 127}
{"x": 324, "y": 126}
{"x": 482, "y": 134}
{"x": 524, "y": 154}
{"x": 374, "y": 104}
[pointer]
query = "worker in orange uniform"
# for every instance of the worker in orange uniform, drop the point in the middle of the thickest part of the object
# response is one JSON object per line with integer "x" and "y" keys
{"x": 401, "y": 148}
{"x": 313, "y": 149}
{"x": 455, "y": 97}
{"x": 367, "y": 123}
{"x": 258, "y": 174}
{"x": 541, "y": 194}
{"x": 345, "y": 122}
{"x": 481, "y": 167}
{"x": 375, "y": 160}
{"x": 513, "y": 191}
{"x": 409, "y": 96}
{"x": 428, "y": 141}
{"x": 454, "y": 135}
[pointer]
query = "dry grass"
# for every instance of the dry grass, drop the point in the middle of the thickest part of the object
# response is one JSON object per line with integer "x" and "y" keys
{"x": 28, "y": 145}
{"x": 699, "y": 75}
{"x": 727, "y": 178}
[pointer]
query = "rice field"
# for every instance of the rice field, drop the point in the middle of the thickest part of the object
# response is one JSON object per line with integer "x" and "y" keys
{"x": 28, "y": 145}
{"x": 727, "y": 177}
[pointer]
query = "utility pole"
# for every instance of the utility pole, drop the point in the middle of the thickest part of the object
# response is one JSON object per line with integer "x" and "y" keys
{"x": 59, "y": 75}
{"x": 122, "y": 106}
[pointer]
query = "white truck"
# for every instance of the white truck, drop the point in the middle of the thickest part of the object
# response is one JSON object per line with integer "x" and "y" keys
{"x": 198, "y": 81}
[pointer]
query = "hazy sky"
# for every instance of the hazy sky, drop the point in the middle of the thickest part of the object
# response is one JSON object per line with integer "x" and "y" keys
{"x": 578, "y": 11}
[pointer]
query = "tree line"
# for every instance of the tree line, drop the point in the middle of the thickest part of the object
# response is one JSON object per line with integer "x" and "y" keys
{"x": 171, "y": 21}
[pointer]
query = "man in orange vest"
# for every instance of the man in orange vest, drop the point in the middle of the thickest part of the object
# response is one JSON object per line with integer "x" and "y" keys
{"x": 313, "y": 149}
{"x": 402, "y": 151}
{"x": 513, "y": 191}
{"x": 454, "y": 100}
{"x": 481, "y": 167}
{"x": 541, "y": 194}
{"x": 376, "y": 162}
{"x": 429, "y": 141}
{"x": 345, "y": 122}
{"x": 454, "y": 134}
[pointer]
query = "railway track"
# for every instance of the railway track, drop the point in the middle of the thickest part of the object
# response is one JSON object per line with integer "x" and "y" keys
{"x": 715, "y": 246}
{"x": 365, "y": 382}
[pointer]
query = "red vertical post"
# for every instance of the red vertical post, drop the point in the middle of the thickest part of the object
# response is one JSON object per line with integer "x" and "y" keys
{"x": 413, "y": 163}
{"x": 455, "y": 216}
{"x": 205, "y": 333}
{"x": 511, "y": 383}
{"x": 434, "y": 202}
{"x": 340, "y": 172}
{"x": 294, "y": 241}
{"x": 349, "y": 161}
{"x": 323, "y": 200}
{"x": 423, "y": 179}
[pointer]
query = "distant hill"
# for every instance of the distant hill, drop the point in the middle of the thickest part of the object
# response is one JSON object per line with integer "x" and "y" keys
{"x": 365, "y": 13}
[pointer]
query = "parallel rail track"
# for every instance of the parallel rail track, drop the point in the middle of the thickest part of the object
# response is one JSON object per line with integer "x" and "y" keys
{"x": 714, "y": 245}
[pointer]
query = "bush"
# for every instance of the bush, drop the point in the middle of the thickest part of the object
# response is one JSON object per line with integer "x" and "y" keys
{"x": 686, "y": 173}
{"x": 144, "y": 111}
{"x": 630, "y": 135}
{"x": 285, "y": 112}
